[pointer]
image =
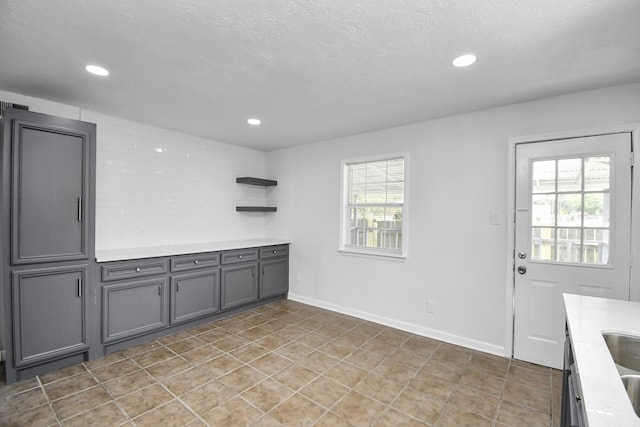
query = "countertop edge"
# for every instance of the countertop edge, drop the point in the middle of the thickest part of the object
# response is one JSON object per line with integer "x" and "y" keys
{"x": 124, "y": 254}
{"x": 603, "y": 395}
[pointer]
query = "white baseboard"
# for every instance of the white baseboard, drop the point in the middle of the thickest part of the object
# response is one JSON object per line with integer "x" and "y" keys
{"x": 405, "y": 326}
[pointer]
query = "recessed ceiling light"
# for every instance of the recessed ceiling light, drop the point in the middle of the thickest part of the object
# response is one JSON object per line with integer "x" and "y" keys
{"x": 97, "y": 70}
{"x": 254, "y": 122}
{"x": 464, "y": 60}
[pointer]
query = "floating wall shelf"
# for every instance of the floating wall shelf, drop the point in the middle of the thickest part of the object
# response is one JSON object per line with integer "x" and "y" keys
{"x": 261, "y": 182}
{"x": 256, "y": 209}
{"x": 257, "y": 181}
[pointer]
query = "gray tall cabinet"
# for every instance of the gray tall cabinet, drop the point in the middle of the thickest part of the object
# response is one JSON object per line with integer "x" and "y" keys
{"x": 48, "y": 229}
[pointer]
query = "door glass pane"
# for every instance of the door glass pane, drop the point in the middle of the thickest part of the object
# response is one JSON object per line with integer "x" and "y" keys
{"x": 544, "y": 176}
{"x": 543, "y": 209}
{"x": 596, "y": 209}
{"x": 570, "y": 175}
{"x": 570, "y": 210}
{"x": 596, "y": 246}
{"x": 543, "y": 244}
{"x": 596, "y": 173}
{"x": 569, "y": 244}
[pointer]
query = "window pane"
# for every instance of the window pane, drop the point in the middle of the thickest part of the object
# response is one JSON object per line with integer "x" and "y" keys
{"x": 570, "y": 175}
{"x": 596, "y": 173}
{"x": 543, "y": 244}
{"x": 570, "y": 210}
{"x": 544, "y": 176}
{"x": 569, "y": 245}
{"x": 596, "y": 246}
{"x": 543, "y": 209}
{"x": 596, "y": 209}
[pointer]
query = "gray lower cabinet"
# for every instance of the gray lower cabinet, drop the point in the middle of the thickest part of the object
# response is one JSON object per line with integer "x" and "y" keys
{"x": 274, "y": 277}
{"x": 195, "y": 295}
{"x": 133, "y": 308}
{"x": 49, "y": 316}
{"x": 239, "y": 285}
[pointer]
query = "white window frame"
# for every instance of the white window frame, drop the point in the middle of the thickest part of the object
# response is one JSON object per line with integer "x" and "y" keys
{"x": 345, "y": 234}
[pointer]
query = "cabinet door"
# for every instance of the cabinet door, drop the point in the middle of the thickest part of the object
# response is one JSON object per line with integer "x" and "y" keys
{"x": 195, "y": 295}
{"x": 133, "y": 308}
{"x": 50, "y": 197}
{"x": 49, "y": 319}
{"x": 274, "y": 277}
{"x": 239, "y": 285}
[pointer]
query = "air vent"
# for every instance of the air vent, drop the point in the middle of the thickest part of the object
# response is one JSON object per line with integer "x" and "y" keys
{"x": 4, "y": 105}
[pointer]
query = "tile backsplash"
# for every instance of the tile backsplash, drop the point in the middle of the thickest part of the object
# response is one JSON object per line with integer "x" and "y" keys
{"x": 160, "y": 187}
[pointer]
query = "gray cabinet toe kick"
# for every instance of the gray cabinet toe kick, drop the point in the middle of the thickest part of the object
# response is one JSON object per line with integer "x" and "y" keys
{"x": 146, "y": 299}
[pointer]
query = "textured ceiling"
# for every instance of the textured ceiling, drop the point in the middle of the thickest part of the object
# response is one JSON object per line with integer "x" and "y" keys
{"x": 310, "y": 69}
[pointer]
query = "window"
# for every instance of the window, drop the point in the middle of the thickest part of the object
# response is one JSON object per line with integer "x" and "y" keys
{"x": 571, "y": 210}
{"x": 373, "y": 206}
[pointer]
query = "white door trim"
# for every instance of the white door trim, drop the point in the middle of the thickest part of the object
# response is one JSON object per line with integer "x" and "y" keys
{"x": 634, "y": 129}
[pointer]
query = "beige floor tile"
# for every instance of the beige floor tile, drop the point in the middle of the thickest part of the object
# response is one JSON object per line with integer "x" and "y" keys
{"x": 221, "y": 365}
{"x": 105, "y": 415}
{"x": 353, "y": 338}
{"x": 452, "y": 353}
{"x": 254, "y": 333}
{"x": 172, "y": 414}
{"x": 421, "y": 345}
{"x": 329, "y": 419}
{"x": 324, "y": 391}
{"x": 187, "y": 344}
{"x": 312, "y": 340}
{"x": 395, "y": 371}
{"x": 186, "y": 381}
{"x": 272, "y": 341}
{"x": 368, "y": 329}
{"x": 535, "y": 398}
{"x": 495, "y": 365}
{"x": 114, "y": 370}
{"x": 294, "y": 350}
{"x": 167, "y": 368}
{"x": 80, "y": 402}
{"x": 432, "y": 386}
{"x": 346, "y": 374}
{"x": 201, "y": 354}
{"x": 270, "y": 363}
{"x": 242, "y": 378}
{"x": 358, "y": 409}
{"x": 409, "y": 358}
{"x": 337, "y": 349}
{"x": 510, "y": 414}
{"x": 18, "y": 387}
{"x": 394, "y": 418}
{"x": 39, "y": 416}
{"x": 483, "y": 381}
{"x": 106, "y": 360}
{"x": 417, "y": 405}
{"x": 266, "y": 421}
{"x": 214, "y": 335}
{"x": 364, "y": 359}
{"x": 318, "y": 362}
{"x": 142, "y": 348}
{"x": 207, "y": 396}
{"x": 129, "y": 383}
{"x": 174, "y": 337}
{"x": 267, "y": 394}
{"x": 533, "y": 378}
{"x": 295, "y": 376}
{"x": 379, "y": 388}
{"x": 249, "y": 352}
{"x": 456, "y": 416}
{"x": 380, "y": 347}
{"x": 474, "y": 401}
{"x": 235, "y": 412}
{"x": 449, "y": 371}
{"x": 293, "y": 332}
{"x": 144, "y": 400}
{"x": 296, "y": 411}
{"x": 152, "y": 357}
{"x": 70, "y": 385}
{"x": 59, "y": 374}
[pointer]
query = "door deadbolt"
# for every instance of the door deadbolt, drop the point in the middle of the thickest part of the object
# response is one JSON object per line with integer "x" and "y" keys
{"x": 522, "y": 269}
{"x": 522, "y": 255}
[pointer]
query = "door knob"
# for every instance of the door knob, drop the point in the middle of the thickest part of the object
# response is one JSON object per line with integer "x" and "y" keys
{"x": 522, "y": 269}
{"x": 522, "y": 255}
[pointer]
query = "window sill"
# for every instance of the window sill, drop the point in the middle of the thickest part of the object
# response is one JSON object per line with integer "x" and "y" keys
{"x": 373, "y": 253}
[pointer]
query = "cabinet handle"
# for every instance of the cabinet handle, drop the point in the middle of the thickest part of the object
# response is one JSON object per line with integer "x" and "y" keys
{"x": 177, "y": 287}
{"x": 253, "y": 272}
{"x": 80, "y": 288}
{"x": 263, "y": 270}
{"x": 239, "y": 256}
{"x": 79, "y": 209}
{"x": 275, "y": 252}
{"x": 195, "y": 262}
{"x": 137, "y": 269}
{"x": 159, "y": 290}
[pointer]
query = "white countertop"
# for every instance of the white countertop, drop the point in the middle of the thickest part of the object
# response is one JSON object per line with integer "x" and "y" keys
{"x": 603, "y": 394}
{"x": 181, "y": 249}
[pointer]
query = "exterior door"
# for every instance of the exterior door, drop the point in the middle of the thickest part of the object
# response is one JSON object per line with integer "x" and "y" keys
{"x": 573, "y": 219}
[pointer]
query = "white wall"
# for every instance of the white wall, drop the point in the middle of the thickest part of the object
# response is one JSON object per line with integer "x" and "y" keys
{"x": 157, "y": 187}
{"x": 458, "y": 176}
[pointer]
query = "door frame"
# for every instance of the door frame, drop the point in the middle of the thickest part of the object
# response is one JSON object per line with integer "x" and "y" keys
{"x": 634, "y": 129}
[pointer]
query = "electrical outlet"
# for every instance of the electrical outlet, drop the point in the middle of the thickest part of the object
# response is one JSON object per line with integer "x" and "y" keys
{"x": 431, "y": 306}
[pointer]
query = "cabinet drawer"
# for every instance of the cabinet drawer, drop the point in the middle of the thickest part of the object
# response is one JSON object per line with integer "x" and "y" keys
{"x": 192, "y": 262}
{"x": 133, "y": 269}
{"x": 273, "y": 251}
{"x": 240, "y": 255}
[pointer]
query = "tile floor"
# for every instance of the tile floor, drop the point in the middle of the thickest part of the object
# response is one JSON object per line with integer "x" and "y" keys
{"x": 294, "y": 365}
